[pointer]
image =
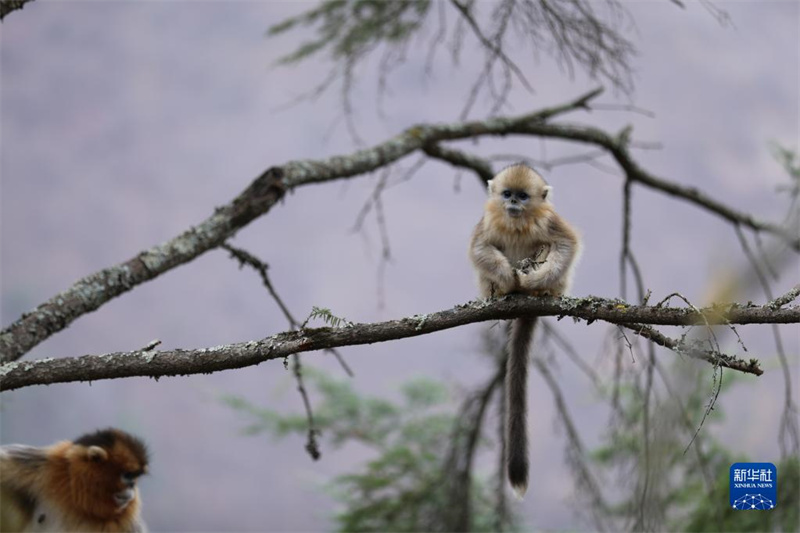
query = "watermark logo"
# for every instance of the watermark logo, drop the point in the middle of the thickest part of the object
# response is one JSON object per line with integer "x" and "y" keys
{"x": 753, "y": 486}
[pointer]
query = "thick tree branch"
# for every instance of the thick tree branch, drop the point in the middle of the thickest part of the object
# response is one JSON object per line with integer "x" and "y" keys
{"x": 457, "y": 158}
{"x": 89, "y": 293}
{"x": 618, "y": 147}
{"x": 184, "y": 362}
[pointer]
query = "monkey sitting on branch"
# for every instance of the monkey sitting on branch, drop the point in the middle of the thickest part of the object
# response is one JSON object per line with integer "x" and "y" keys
{"x": 521, "y": 245}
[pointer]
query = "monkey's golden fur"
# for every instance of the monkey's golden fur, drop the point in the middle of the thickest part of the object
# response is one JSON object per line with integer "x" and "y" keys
{"x": 521, "y": 245}
{"x": 85, "y": 485}
{"x": 501, "y": 243}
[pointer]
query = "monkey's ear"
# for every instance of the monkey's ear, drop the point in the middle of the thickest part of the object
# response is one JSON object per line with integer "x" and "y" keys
{"x": 489, "y": 185}
{"x": 96, "y": 454}
{"x": 546, "y": 192}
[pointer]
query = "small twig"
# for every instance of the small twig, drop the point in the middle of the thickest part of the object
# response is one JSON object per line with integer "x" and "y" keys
{"x": 789, "y": 429}
{"x": 408, "y": 174}
{"x": 702, "y": 461}
{"x": 150, "y": 345}
{"x": 694, "y": 351}
{"x": 386, "y": 251}
{"x": 312, "y": 446}
{"x": 765, "y": 259}
{"x": 575, "y": 451}
{"x": 571, "y": 352}
{"x": 467, "y": 430}
{"x": 645, "y": 471}
{"x": 246, "y": 258}
{"x": 347, "y": 105}
{"x": 611, "y": 171}
{"x": 628, "y": 344}
{"x": 716, "y": 388}
{"x": 501, "y": 507}
{"x": 496, "y": 50}
{"x": 626, "y": 238}
{"x": 371, "y": 201}
{"x": 785, "y": 299}
{"x": 712, "y": 340}
{"x": 437, "y": 40}
{"x": 624, "y": 107}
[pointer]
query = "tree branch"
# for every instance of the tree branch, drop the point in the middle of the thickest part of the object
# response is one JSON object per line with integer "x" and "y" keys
{"x": 7, "y": 6}
{"x": 618, "y": 147}
{"x": 494, "y": 48}
{"x": 789, "y": 297}
{"x": 457, "y": 158}
{"x": 184, "y": 362}
{"x": 246, "y": 258}
{"x": 89, "y": 293}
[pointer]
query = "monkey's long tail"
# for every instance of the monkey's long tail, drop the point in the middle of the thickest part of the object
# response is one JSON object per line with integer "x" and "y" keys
{"x": 517, "y": 403}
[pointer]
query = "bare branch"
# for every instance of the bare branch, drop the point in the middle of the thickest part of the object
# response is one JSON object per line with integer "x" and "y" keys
{"x": 576, "y": 454}
{"x": 457, "y": 158}
{"x": 789, "y": 432}
{"x": 785, "y": 299}
{"x": 463, "y": 445}
{"x": 89, "y": 293}
{"x": 570, "y": 351}
{"x": 496, "y": 50}
{"x": 618, "y": 148}
{"x": 183, "y": 362}
{"x": 693, "y": 349}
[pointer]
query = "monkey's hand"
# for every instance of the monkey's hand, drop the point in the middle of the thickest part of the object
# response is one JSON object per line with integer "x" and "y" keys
{"x": 536, "y": 282}
{"x": 528, "y": 265}
{"x": 535, "y": 261}
{"x": 496, "y": 275}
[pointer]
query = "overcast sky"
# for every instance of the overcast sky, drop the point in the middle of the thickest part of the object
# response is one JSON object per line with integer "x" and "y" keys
{"x": 125, "y": 123}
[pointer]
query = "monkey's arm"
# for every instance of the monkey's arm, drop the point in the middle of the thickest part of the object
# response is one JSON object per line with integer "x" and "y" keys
{"x": 496, "y": 275}
{"x": 553, "y": 277}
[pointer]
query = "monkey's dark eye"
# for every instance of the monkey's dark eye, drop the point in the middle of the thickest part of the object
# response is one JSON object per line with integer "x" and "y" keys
{"x": 523, "y": 196}
{"x": 131, "y": 476}
{"x": 506, "y": 194}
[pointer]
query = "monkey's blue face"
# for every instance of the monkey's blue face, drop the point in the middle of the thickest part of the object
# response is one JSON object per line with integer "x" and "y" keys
{"x": 514, "y": 201}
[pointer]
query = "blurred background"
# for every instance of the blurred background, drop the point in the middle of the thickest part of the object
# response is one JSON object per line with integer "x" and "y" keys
{"x": 125, "y": 123}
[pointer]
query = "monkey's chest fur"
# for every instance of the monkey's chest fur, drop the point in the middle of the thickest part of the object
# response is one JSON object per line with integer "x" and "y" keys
{"x": 522, "y": 248}
{"x": 519, "y": 239}
{"x": 527, "y": 257}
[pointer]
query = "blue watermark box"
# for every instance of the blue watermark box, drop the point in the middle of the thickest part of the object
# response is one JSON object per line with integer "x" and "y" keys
{"x": 753, "y": 486}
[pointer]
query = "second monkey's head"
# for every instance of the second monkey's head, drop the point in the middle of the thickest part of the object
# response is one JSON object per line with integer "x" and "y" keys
{"x": 104, "y": 468}
{"x": 517, "y": 192}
